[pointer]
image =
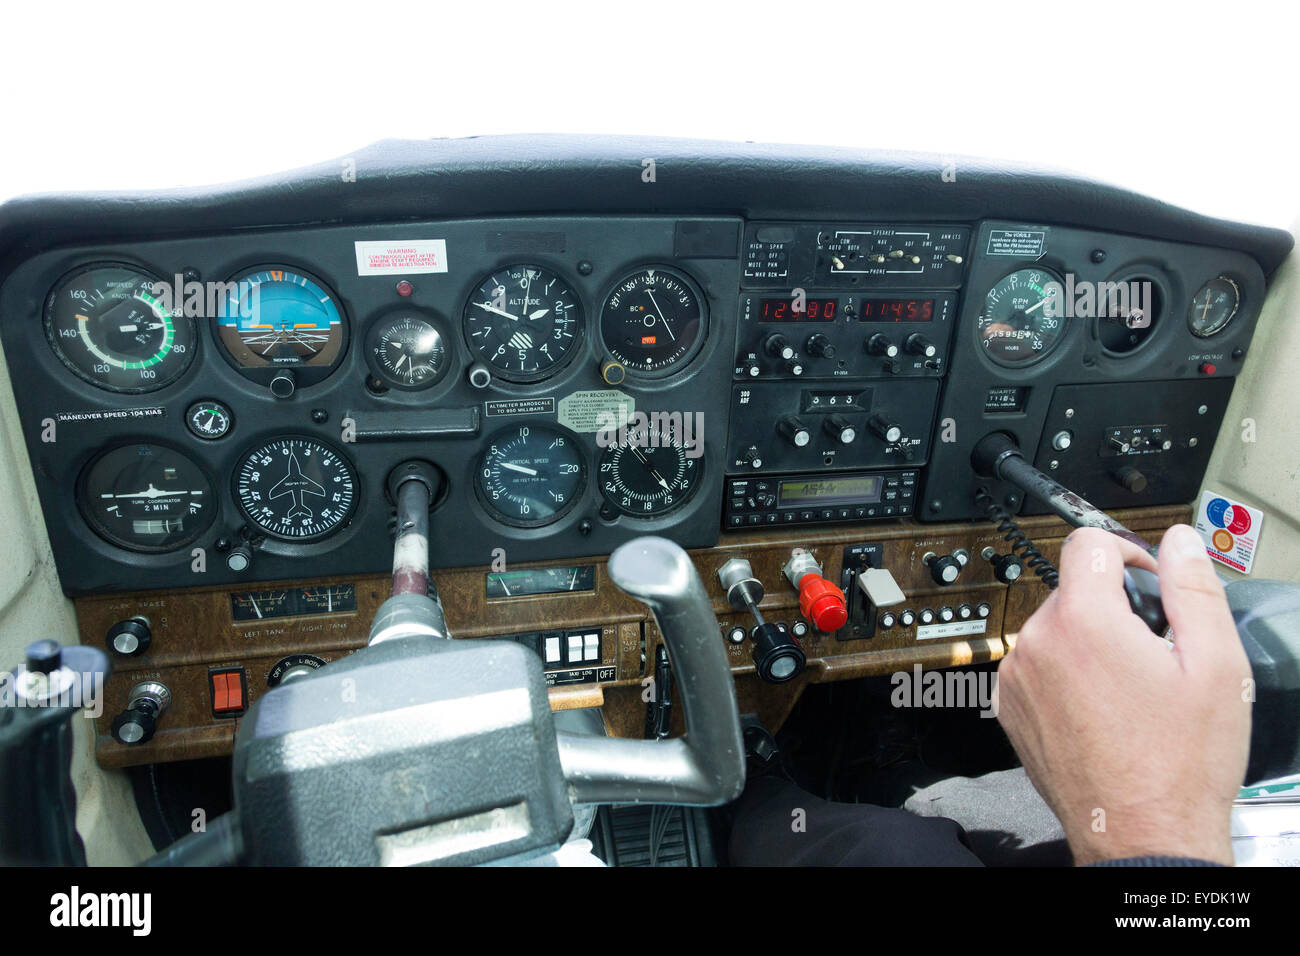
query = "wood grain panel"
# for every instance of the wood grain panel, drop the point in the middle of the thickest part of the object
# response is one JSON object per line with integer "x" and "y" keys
{"x": 193, "y": 629}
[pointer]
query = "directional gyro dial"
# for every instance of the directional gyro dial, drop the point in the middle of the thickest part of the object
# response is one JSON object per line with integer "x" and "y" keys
{"x": 296, "y": 489}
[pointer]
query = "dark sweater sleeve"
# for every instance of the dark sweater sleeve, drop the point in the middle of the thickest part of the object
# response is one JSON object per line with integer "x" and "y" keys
{"x": 1156, "y": 861}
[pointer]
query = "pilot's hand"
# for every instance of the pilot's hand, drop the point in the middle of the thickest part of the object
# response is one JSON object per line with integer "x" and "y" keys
{"x": 1138, "y": 748}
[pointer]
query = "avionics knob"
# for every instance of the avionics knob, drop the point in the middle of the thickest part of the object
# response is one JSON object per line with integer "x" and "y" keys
{"x": 820, "y": 346}
{"x": 751, "y": 368}
{"x": 918, "y": 344}
{"x": 794, "y": 367}
{"x": 778, "y": 346}
{"x": 945, "y": 569}
{"x": 883, "y": 428}
{"x": 1006, "y": 567}
{"x": 777, "y": 655}
{"x": 840, "y": 428}
{"x": 794, "y": 431}
{"x": 130, "y": 637}
{"x": 753, "y": 457}
{"x": 879, "y": 344}
{"x": 148, "y": 701}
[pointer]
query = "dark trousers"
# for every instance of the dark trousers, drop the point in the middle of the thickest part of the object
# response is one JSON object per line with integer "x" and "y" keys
{"x": 777, "y": 824}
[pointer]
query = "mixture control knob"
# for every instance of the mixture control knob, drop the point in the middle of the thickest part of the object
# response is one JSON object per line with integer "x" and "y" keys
{"x": 1007, "y": 568}
{"x": 821, "y": 602}
{"x": 149, "y": 700}
{"x": 130, "y": 637}
{"x": 777, "y": 655}
{"x": 918, "y": 344}
{"x": 820, "y": 346}
{"x": 945, "y": 569}
{"x": 778, "y": 346}
{"x": 840, "y": 428}
{"x": 794, "y": 431}
{"x": 879, "y": 344}
{"x": 886, "y": 430}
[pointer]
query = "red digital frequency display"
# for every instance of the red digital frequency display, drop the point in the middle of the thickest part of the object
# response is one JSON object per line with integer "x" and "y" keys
{"x": 897, "y": 310}
{"x": 783, "y": 310}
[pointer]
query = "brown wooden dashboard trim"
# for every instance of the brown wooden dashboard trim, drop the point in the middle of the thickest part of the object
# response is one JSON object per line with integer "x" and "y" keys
{"x": 629, "y": 635}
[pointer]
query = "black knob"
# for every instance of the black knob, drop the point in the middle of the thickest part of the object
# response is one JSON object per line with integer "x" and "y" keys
{"x": 884, "y": 429}
{"x": 777, "y": 654}
{"x": 918, "y": 344}
{"x": 879, "y": 344}
{"x": 945, "y": 569}
{"x": 131, "y": 637}
{"x": 1007, "y": 568}
{"x": 778, "y": 346}
{"x": 820, "y": 346}
{"x": 1131, "y": 479}
{"x": 794, "y": 367}
{"x": 751, "y": 368}
{"x": 840, "y": 428}
{"x": 239, "y": 558}
{"x": 44, "y": 657}
{"x": 794, "y": 431}
{"x": 136, "y": 725}
{"x": 283, "y": 384}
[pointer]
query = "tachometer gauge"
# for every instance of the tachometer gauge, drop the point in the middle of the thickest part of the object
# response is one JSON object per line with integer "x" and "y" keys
{"x": 523, "y": 321}
{"x": 296, "y": 489}
{"x": 280, "y": 319}
{"x": 146, "y": 497}
{"x": 105, "y": 324}
{"x": 1214, "y": 306}
{"x": 649, "y": 475}
{"x": 653, "y": 322}
{"x": 1023, "y": 317}
{"x": 406, "y": 350}
{"x": 531, "y": 475}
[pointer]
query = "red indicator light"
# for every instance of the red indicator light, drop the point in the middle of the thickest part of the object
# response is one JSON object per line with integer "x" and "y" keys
{"x": 649, "y": 339}
{"x": 404, "y": 288}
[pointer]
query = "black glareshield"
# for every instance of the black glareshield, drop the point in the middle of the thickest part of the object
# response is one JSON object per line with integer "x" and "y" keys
{"x": 997, "y": 455}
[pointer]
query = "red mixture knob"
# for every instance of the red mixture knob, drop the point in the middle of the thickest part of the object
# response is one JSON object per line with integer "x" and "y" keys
{"x": 822, "y": 603}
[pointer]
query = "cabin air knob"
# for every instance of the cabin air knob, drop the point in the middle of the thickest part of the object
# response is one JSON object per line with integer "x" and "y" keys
{"x": 945, "y": 569}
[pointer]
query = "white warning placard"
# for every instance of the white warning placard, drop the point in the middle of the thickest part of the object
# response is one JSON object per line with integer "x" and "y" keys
{"x": 1229, "y": 529}
{"x": 401, "y": 257}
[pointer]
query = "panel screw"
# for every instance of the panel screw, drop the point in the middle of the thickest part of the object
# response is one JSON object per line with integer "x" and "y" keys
{"x": 1069, "y": 413}
{"x": 584, "y": 268}
{"x": 584, "y": 527}
{"x": 320, "y": 416}
{"x": 936, "y": 505}
{"x": 1098, "y": 256}
{"x": 1202, "y": 410}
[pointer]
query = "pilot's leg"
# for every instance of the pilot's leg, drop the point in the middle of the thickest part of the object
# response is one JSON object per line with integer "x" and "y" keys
{"x": 777, "y": 824}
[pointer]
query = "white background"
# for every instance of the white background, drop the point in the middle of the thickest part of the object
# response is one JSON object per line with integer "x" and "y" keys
{"x": 1194, "y": 104}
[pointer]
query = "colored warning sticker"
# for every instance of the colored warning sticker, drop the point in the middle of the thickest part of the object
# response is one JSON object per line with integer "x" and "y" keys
{"x": 1230, "y": 530}
{"x": 401, "y": 257}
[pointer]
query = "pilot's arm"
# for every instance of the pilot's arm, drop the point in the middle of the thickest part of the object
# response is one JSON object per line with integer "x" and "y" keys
{"x": 1138, "y": 747}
